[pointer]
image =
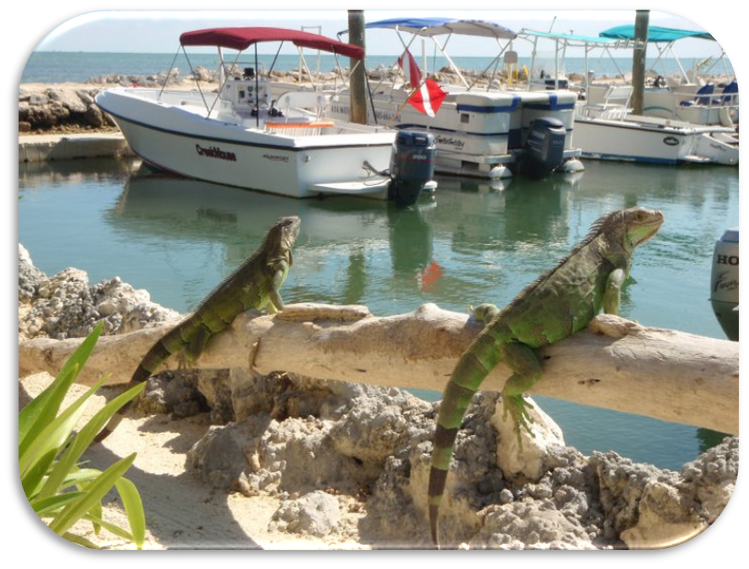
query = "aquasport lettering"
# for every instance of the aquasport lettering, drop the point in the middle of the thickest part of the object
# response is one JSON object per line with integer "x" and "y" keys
{"x": 215, "y": 152}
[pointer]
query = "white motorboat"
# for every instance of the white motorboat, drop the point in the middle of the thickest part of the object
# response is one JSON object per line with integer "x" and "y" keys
{"x": 607, "y": 129}
{"x": 683, "y": 96}
{"x": 284, "y": 145}
{"x": 480, "y": 130}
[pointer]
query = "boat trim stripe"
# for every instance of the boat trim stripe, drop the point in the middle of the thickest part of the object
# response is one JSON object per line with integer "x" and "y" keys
{"x": 404, "y": 126}
{"x": 488, "y": 109}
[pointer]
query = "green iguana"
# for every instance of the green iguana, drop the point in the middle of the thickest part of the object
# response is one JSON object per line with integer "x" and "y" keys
{"x": 254, "y": 285}
{"x": 556, "y": 305}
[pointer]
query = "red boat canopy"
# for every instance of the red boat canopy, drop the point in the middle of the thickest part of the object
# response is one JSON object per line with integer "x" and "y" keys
{"x": 241, "y": 38}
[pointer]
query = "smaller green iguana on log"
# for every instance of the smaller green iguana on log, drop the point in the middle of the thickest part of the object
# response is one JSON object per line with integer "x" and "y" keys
{"x": 254, "y": 285}
{"x": 559, "y": 303}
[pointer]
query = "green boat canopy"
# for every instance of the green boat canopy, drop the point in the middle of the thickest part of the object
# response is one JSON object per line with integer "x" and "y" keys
{"x": 570, "y": 38}
{"x": 655, "y": 34}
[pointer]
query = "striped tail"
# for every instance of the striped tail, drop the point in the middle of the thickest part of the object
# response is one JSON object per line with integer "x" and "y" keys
{"x": 474, "y": 365}
{"x": 148, "y": 365}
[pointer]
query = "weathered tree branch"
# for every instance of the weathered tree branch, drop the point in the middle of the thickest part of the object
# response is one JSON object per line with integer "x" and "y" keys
{"x": 614, "y": 364}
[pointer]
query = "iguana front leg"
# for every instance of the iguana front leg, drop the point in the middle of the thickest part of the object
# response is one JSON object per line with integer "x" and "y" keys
{"x": 612, "y": 293}
{"x": 275, "y": 302}
{"x": 190, "y": 352}
{"x": 523, "y": 361}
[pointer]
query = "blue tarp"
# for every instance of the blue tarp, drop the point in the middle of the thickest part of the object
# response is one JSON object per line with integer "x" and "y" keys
{"x": 438, "y": 26}
{"x": 655, "y": 34}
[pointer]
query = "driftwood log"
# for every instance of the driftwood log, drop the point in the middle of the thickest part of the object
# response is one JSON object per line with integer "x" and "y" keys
{"x": 614, "y": 364}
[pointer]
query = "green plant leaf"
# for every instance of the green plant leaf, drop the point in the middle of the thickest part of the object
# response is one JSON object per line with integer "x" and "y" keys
{"x": 40, "y": 410}
{"x": 47, "y": 507}
{"x": 93, "y": 494}
{"x": 78, "y": 540}
{"x": 133, "y": 505}
{"x": 34, "y": 475}
{"x": 46, "y": 405}
{"x": 110, "y": 527}
{"x": 56, "y": 486}
{"x": 84, "y": 438}
{"x": 56, "y": 431}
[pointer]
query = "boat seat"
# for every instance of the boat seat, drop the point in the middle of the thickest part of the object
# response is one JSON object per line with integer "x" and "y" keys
{"x": 309, "y": 100}
{"x": 703, "y": 96}
{"x": 615, "y": 103}
{"x": 730, "y": 94}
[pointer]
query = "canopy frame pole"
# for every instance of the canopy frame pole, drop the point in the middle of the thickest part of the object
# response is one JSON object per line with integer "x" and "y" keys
{"x": 223, "y": 83}
{"x": 257, "y": 87}
{"x": 174, "y": 60}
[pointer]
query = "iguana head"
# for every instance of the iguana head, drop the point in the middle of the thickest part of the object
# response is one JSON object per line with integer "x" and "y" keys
{"x": 635, "y": 225}
{"x": 284, "y": 232}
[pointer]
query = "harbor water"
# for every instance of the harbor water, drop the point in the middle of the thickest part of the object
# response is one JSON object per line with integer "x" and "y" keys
{"x": 472, "y": 242}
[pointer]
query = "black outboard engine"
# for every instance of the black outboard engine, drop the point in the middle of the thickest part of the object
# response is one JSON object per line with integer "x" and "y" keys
{"x": 411, "y": 166}
{"x": 544, "y": 147}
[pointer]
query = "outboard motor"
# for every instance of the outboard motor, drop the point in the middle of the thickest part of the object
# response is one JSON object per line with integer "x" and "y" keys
{"x": 724, "y": 283}
{"x": 544, "y": 148}
{"x": 411, "y": 166}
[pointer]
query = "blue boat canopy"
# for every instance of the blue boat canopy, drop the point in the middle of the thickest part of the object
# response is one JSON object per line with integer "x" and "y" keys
{"x": 428, "y": 27}
{"x": 655, "y": 34}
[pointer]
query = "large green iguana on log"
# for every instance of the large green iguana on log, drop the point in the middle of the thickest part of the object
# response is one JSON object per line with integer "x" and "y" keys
{"x": 559, "y": 303}
{"x": 254, "y": 285}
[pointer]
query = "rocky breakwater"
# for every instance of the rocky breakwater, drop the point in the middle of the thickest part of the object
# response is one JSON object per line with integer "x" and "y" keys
{"x": 60, "y": 109}
{"x": 70, "y": 108}
{"x": 347, "y": 461}
{"x": 65, "y": 305}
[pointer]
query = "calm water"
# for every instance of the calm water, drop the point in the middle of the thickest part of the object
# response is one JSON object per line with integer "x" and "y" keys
{"x": 177, "y": 238}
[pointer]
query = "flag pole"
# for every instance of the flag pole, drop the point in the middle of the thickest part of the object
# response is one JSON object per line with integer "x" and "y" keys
{"x": 403, "y": 105}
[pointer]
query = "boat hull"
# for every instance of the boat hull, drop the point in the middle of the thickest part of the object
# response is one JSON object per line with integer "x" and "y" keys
{"x": 181, "y": 140}
{"x": 653, "y": 142}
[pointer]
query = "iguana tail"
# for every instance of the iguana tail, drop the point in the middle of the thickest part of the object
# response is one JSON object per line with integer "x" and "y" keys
{"x": 170, "y": 344}
{"x": 474, "y": 365}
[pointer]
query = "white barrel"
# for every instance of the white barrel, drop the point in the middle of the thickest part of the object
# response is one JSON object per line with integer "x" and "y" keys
{"x": 724, "y": 282}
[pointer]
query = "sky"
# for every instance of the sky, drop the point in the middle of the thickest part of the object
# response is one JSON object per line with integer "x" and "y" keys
{"x": 158, "y": 31}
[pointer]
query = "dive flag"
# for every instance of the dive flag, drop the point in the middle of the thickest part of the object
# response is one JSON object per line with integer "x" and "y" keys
{"x": 428, "y": 98}
{"x": 414, "y": 73}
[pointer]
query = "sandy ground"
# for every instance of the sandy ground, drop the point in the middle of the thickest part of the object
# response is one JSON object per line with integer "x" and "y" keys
{"x": 181, "y": 511}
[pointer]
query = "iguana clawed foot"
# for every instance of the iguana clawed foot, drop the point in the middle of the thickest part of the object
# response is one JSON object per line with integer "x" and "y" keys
{"x": 518, "y": 408}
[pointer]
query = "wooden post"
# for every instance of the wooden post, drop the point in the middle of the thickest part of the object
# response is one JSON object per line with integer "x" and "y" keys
{"x": 639, "y": 60}
{"x": 357, "y": 80}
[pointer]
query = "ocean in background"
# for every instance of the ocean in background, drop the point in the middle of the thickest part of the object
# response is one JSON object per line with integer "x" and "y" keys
{"x": 79, "y": 67}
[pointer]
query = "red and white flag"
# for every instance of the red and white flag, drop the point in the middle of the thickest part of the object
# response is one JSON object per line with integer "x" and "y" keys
{"x": 428, "y": 98}
{"x": 414, "y": 73}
